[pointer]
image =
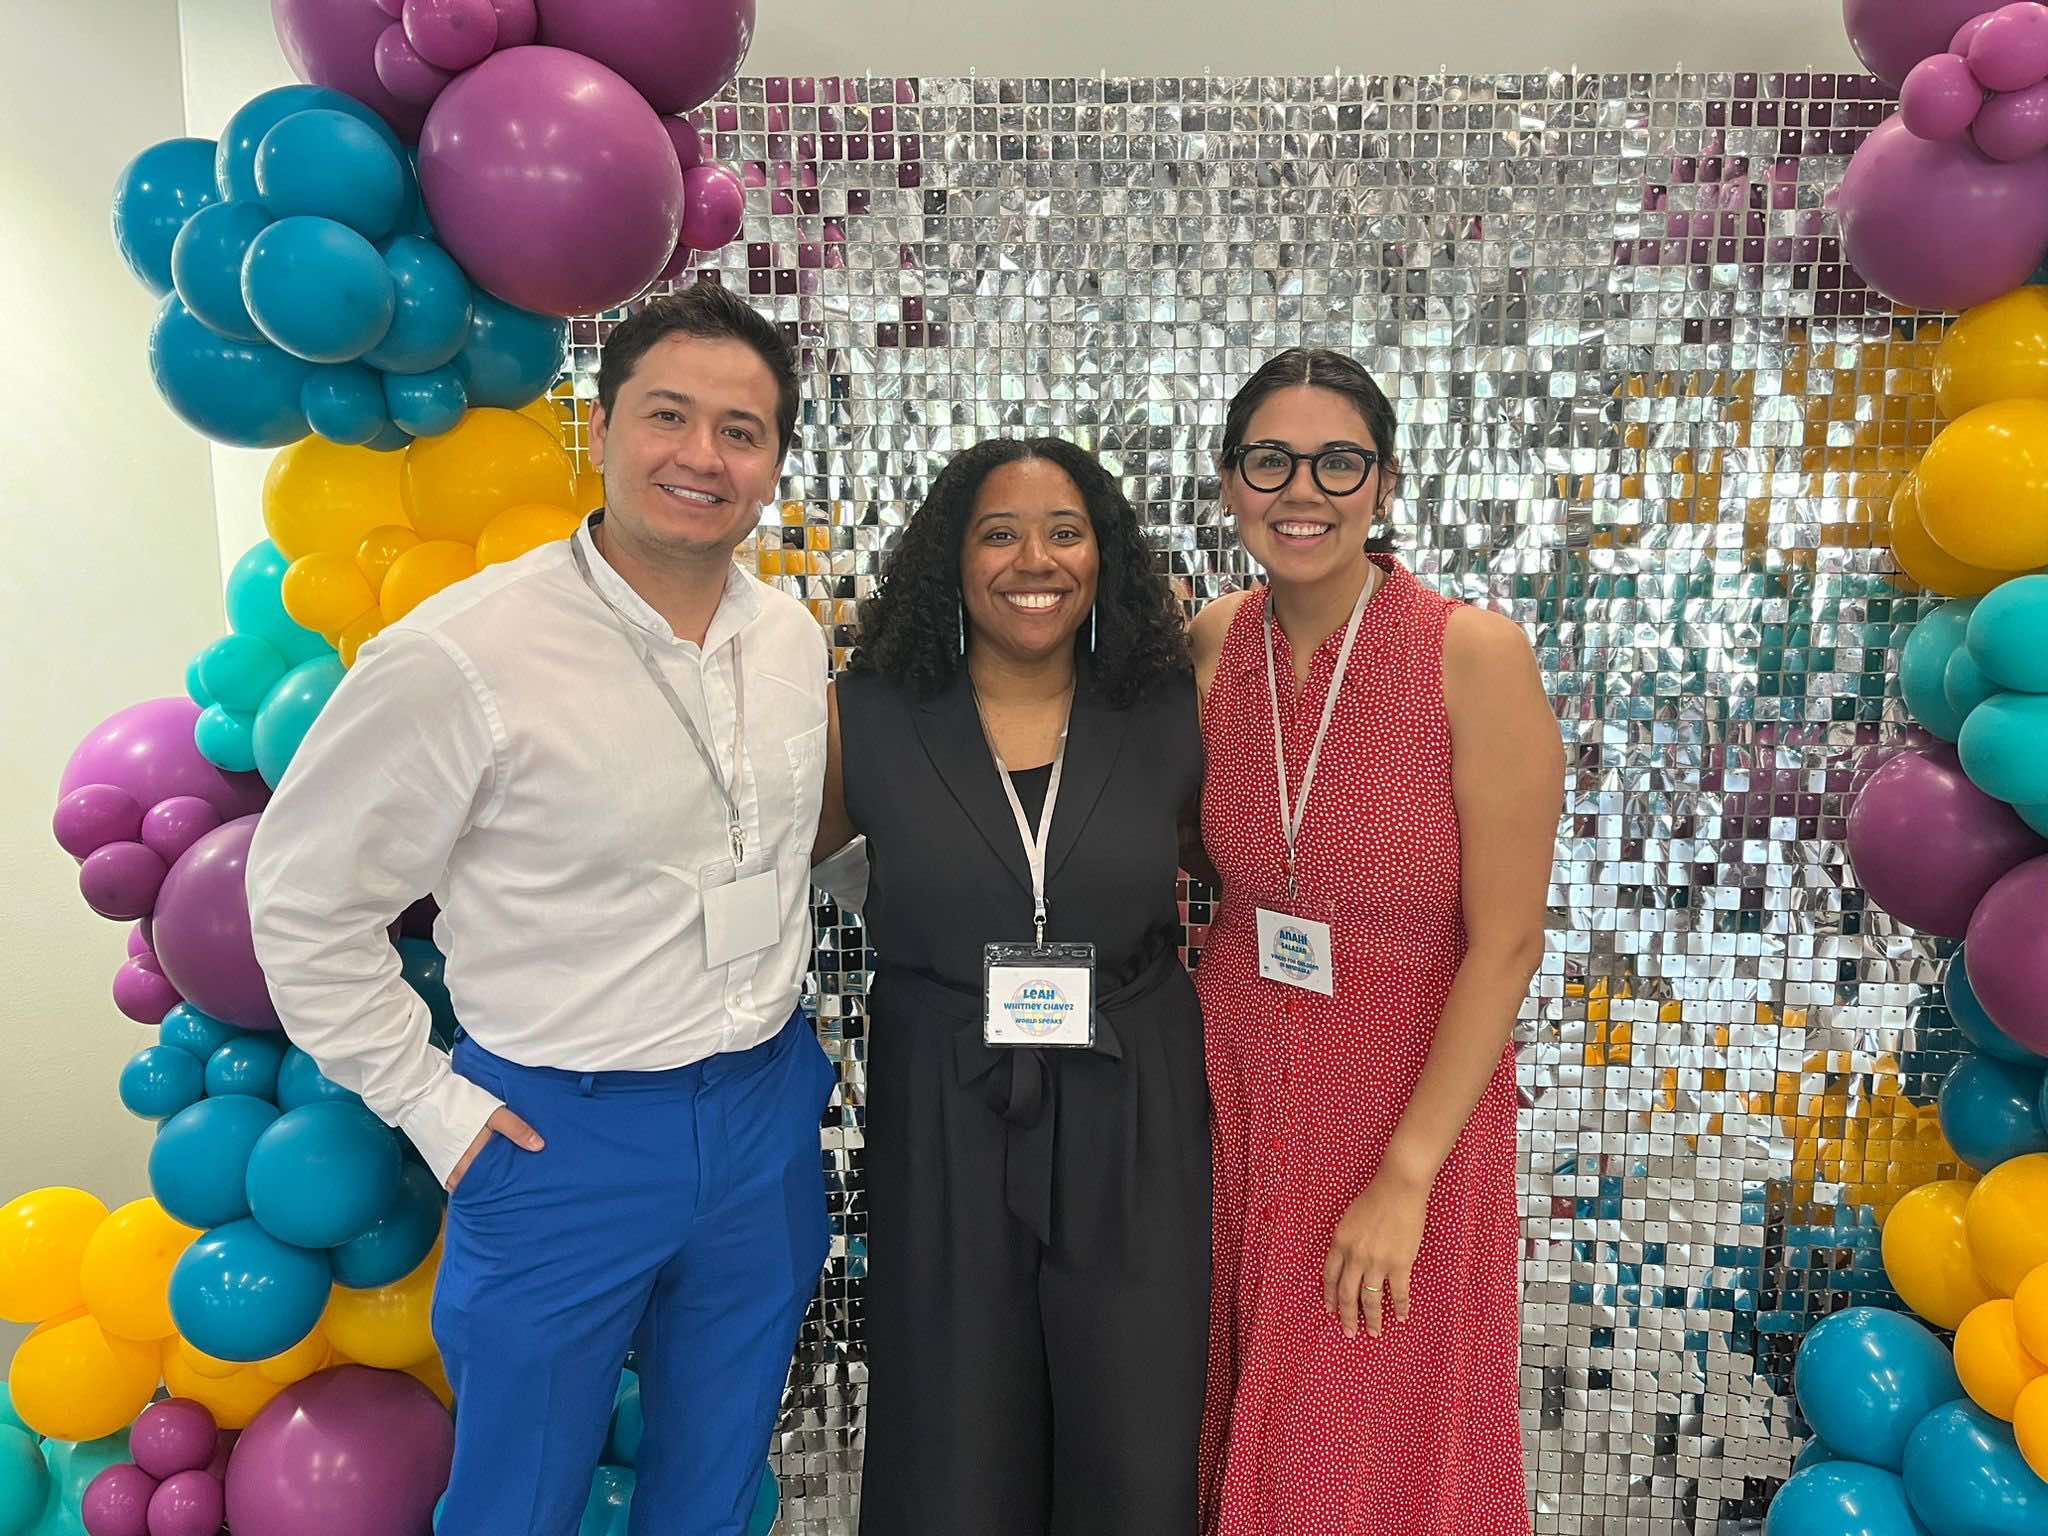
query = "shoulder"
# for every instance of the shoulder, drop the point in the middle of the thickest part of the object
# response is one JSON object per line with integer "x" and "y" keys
{"x": 1210, "y": 628}
{"x": 1478, "y": 640}
{"x": 485, "y": 623}
{"x": 1492, "y": 684}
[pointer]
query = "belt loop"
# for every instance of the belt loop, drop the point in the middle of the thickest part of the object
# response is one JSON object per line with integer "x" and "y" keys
{"x": 586, "y": 1083}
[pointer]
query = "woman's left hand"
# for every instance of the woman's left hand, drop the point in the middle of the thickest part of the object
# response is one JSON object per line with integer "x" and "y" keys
{"x": 1373, "y": 1253}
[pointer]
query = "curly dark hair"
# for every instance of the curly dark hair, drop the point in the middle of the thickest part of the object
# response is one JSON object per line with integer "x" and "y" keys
{"x": 909, "y": 630}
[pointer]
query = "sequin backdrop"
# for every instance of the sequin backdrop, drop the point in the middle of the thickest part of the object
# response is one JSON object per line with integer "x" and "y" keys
{"x": 1646, "y": 412}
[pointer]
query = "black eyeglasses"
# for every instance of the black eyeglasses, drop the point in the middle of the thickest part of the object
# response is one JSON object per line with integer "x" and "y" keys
{"x": 1337, "y": 471}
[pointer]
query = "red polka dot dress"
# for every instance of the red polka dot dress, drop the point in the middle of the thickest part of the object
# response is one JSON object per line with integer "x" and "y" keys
{"x": 1308, "y": 1433}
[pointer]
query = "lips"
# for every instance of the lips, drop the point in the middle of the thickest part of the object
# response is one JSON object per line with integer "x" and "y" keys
{"x": 691, "y": 496}
{"x": 1033, "y": 602}
{"x": 1300, "y": 530}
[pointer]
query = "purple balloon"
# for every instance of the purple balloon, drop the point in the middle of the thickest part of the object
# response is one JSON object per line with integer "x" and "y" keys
{"x": 518, "y": 22}
{"x": 147, "y": 750}
{"x": 1891, "y": 36}
{"x": 347, "y": 1452}
{"x": 138, "y": 942}
{"x": 1940, "y": 226}
{"x": 116, "y": 1502}
{"x": 551, "y": 182}
{"x": 2009, "y": 973}
{"x": 142, "y": 992}
{"x": 121, "y": 880}
{"x": 334, "y": 43}
{"x": 1940, "y": 98}
{"x": 1967, "y": 32}
{"x": 188, "y": 1504}
{"x": 417, "y": 920}
{"x": 175, "y": 1435}
{"x": 1926, "y": 843}
{"x": 405, "y": 74}
{"x": 224, "y": 1448}
{"x": 202, "y": 930}
{"x": 677, "y": 53}
{"x": 451, "y": 34}
{"x": 681, "y": 262}
{"x": 689, "y": 144}
{"x": 2015, "y": 126}
{"x": 714, "y": 207}
{"x": 94, "y": 815}
{"x": 2010, "y": 51}
{"x": 175, "y": 824}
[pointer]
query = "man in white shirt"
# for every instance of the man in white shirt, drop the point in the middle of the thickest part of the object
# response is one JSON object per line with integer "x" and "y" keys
{"x": 605, "y": 761}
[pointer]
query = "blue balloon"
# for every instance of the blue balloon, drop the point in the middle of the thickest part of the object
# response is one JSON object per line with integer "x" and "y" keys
{"x": 767, "y": 1504}
{"x": 195, "y": 690}
{"x": 323, "y": 1174}
{"x": 240, "y": 1294}
{"x": 234, "y": 166}
{"x": 390, "y": 440}
{"x": 199, "y": 1164}
{"x": 1923, "y": 666}
{"x": 197, "y": 1034}
{"x": 1974, "y": 1022}
{"x": 1812, "y": 1454}
{"x": 433, "y": 308}
{"x": 424, "y": 969}
{"x": 1842, "y": 1498}
{"x": 24, "y": 1479}
{"x": 157, "y": 192}
{"x": 318, "y": 289}
{"x": 1966, "y": 1477}
{"x": 610, "y": 1505}
{"x": 1964, "y": 684}
{"x": 243, "y": 393}
{"x": 512, "y": 354}
{"x": 401, "y": 1238}
{"x": 294, "y": 704}
{"x": 206, "y": 266}
{"x": 2004, "y": 747}
{"x": 226, "y": 739}
{"x": 629, "y": 1423}
{"x": 247, "y": 1064}
{"x": 300, "y": 1081}
{"x": 1865, "y": 1376}
{"x": 329, "y": 165}
{"x": 344, "y": 403}
{"x": 255, "y": 603}
{"x": 7, "y": 1413}
{"x": 1990, "y": 1111}
{"x": 426, "y": 404}
{"x": 239, "y": 670}
{"x": 158, "y": 1082}
{"x": 2009, "y": 634}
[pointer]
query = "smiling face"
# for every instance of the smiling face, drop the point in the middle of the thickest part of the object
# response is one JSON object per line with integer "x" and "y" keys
{"x": 1028, "y": 561}
{"x": 1300, "y": 533}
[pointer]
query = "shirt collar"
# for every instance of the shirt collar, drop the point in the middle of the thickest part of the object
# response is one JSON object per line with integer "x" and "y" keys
{"x": 738, "y": 605}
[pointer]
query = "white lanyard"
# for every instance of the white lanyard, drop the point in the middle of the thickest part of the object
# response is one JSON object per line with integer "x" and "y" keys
{"x": 1291, "y": 820}
{"x": 1034, "y": 844}
{"x": 734, "y": 827}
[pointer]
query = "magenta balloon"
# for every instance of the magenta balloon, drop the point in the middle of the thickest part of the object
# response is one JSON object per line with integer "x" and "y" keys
{"x": 714, "y": 207}
{"x": 188, "y": 1504}
{"x": 138, "y": 943}
{"x": 147, "y": 750}
{"x": 1960, "y": 43}
{"x": 334, "y": 43}
{"x": 223, "y": 1449}
{"x": 1940, "y": 226}
{"x": 1940, "y": 98}
{"x": 116, "y": 1502}
{"x": 405, "y": 74}
{"x": 2014, "y": 126}
{"x": 1926, "y": 843}
{"x": 518, "y": 22}
{"x": 451, "y": 34}
{"x": 172, "y": 1436}
{"x": 2010, "y": 51}
{"x": 175, "y": 824}
{"x": 551, "y": 182}
{"x": 142, "y": 992}
{"x": 121, "y": 880}
{"x": 94, "y": 815}
{"x": 681, "y": 262}
{"x": 677, "y": 53}
{"x": 689, "y": 145}
{"x": 2009, "y": 973}
{"x": 202, "y": 930}
{"x": 348, "y": 1452}
{"x": 1891, "y": 36}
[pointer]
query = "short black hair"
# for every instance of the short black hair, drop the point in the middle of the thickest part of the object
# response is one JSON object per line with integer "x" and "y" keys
{"x": 703, "y": 309}
{"x": 1320, "y": 368}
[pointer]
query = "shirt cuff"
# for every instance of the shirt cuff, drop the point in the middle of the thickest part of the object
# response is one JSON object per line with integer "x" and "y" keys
{"x": 446, "y": 1120}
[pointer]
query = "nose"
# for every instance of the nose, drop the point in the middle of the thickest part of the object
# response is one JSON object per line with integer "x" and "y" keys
{"x": 1034, "y": 553}
{"x": 696, "y": 448}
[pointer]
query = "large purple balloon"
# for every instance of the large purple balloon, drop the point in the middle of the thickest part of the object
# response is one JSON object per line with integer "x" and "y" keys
{"x": 677, "y": 53}
{"x": 1940, "y": 226}
{"x": 334, "y": 43}
{"x": 2009, "y": 973}
{"x": 1891, "y": 36}
{"x": 1926, "y": 843}
{"x": 201, "y": 930}
{"x": 349, "y": 1452}
{"x": 551, "y": 181}
{"x": 147, "y": 750}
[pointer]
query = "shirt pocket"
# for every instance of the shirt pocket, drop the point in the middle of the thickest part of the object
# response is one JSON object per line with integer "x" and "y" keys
{"x": 806, "y": 785}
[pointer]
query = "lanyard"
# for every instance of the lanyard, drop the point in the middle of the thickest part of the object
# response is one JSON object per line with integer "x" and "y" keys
{"x": 1035, "y": 844}
{"x": 1291, "y": 820}
{"x": 733, "y": 825}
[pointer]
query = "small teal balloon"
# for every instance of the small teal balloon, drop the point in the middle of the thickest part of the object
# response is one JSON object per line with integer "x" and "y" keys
{"x": 159, "y": 1081}
{"x": 194, "y": 689}
{"x": 1964, "y": 685}
{"x": 255, "y": 603}
{"x": 240, "y": 1294}
{"x": 294, "y": 704}
{"x": 240, "y": 670}
{"x": 399, "y": 1241}
{"x": 412, "y": 217}
{"x": 2009, "y": 634}
{"x": 206, "y": 266}
{"x": 1842, "y": 1498}
{"x": 9, "y": 1416}
{"x": 234, "y": 165}
{"x": 300, "y": 1081}
{"x": 323, "y": 1174}
{"x": 344, "y": 403}
{"x": 242, "y": 393}
{"x": 1865, "y": 1377}
{"x": 629, "y": 1423}
{"x": 1989, "y": 1111}
{"x": 512, "y": 354}
{"x": 610, "y": 1505}
{"x": 329, "y": 165}
{"x": 392, "y": 439}
{"x": 226, "y": 740}
{"x": 426, "y": 404}
{"x": 199, "y": 1164}
{"x": 197, "y": 1034}
{"x": 75, "y": 1463}
{"x": 246, "y": 1064}
{"x": 24, "y": 1479}
{"x": 1923, "y": 666}
{"x": 1966, "y": 1477}
{"x": 433, "y": 308}
{"x": 767, "y": 1504}
{"x": 2004, "y": 747}
{"x": 318, "y": 289}
{"x": 1812, "y": 1454}
{"x": 1977, "y": 1025}
{"x": 424, "y": 970}
{"x": 2035, "y": 816}
{"x": 155, "y": 194}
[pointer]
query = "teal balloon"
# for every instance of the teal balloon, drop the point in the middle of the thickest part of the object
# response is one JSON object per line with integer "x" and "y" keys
{"x": 240, "y": 1294}
{"x": 390, "y": 440}
{"x": 330, "y": 165}
{"x": 1989, "y": 1111}
{"x": 512, "y": 354}
{"x": 155, "y": 194}
{"x": 226, "y": 740}
{"x": 242, "y": 393}
{"x": 412, "y": 217}
{"x": 206, "y": 265}
{"x": 318, "y": 289}
{"x": 433, "y": 308}
{"x": 1923, "y": 666}
{"x": 400, "y": 1240}
{"x": 629, "y": 1423}
{"x": 2035, "y": 816}
{"x": 7, "y": 1414}
{"x": 767, "y": 1504}
{"x": 246, "y": 1064}
{"x": 300, "y": 1081}
{"x": 234, "y": 165}
{"x": 1977, "y": 1025}
{"x": 426, "y": 404}
{"x": 1964, "y": 684}
{"x": 2009, "y": 634}
{"x": 2004, "y": 747}
{"x": 197, "y": 1034}
{"x": 344, "y": 403}
{"x": 239, "y": 670}
{"x": 199, "y": 1164}
{"x": 1843, "y": 1498}
{"x": 323, "y": 1174}
{"x": 1865, "y": 1377}
{"x": 24, "y": 1480}
{"x": 255, "y": 602}
{"x": 159, "y": 1081}
{"x": 1966, "y": 1477}
{"x": 294, "y": 704}
{"x": 1812, "y": 1454}
{"x": 194, "y": 689}
{"x": 610, "y": 1506}
{"x": 75, "y": 1463}
{"x": 425, "y": 969}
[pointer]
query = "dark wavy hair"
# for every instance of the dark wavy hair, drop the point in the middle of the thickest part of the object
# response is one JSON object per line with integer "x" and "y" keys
{"x": 1323, "y": 369}
{"x": 910, "y": 628}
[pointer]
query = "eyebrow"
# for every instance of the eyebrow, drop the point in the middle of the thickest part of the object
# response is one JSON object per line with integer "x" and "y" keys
{"x": 679, "y": 398}
{"x": 995, "y": 512}
{"x": 1335, "y": 442}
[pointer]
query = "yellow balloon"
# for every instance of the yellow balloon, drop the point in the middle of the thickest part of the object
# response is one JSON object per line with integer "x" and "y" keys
{"x": 519, "y": 530}
{"x": 326, "y": 593}
{"x": 391, "y": 1327}
{"x": 1927, "y": 1254}
{"x": 456, "y": 483}
{"x": 2007, "y": 1219}
{"x": 196, "y": 1360}
{"x": 431, "y": 1374}
{"x": 422, "y": 571}
{"x": 358, "y": 635}
{"x": 1997, "y": 351}
{"x": 380, "y": 550}
{"x": 1925, "y": 562}
{"x": 310, "y": 1354}
{"x": 2030, "y": 1304}
{"x": 78, "y": 1382}
{"x": 2030, "y": 1424}
{"x": 547, "y": 412}
{"x": 126, "y": 1272}
{"x": 233, "y": 1399}
{"x": 589, "y": 491}
{"x": 1984, "y": 486}
{"x": 42, "y": 1239}
{"x": 1990, "y": 1362}
{"x": 322, "y": 497}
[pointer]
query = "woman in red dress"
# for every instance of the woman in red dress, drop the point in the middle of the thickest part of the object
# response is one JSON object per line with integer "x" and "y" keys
{"x": 1360, "y": 986}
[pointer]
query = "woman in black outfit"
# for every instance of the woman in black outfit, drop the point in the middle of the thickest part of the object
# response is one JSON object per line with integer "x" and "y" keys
{"x": 1038, "y": 1216}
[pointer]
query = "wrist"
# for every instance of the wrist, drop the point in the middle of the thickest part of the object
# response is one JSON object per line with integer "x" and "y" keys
{"x": 1405, "y": 1169}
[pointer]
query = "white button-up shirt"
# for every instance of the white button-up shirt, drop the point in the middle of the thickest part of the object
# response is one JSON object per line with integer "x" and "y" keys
{"x": 503, "y": 747}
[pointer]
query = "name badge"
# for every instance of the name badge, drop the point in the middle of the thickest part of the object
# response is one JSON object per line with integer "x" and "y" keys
{"x": 1038, "y": 995}
{"x": 742, "y": 913}
{"x": 1295, "y": 951}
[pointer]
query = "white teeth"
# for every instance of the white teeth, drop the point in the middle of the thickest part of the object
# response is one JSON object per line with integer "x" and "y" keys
{"x": 684, "y": 493}
{"x": 1035, "y": 601}
{"x": 1301, "y": 530}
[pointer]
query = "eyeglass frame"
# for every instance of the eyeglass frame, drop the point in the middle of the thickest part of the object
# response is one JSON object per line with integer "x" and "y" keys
{"x": 1235, "y": 460}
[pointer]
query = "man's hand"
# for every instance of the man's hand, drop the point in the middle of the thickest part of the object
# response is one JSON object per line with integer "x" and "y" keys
{"x": 502, "y": 1123}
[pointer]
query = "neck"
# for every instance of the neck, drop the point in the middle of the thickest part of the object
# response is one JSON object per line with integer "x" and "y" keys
{"x": 1008, "y": 680}
{"x": 683, "y": 589}
{"x": 1308, "y": 613}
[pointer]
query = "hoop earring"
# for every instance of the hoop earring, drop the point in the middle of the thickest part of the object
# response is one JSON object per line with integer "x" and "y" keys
{"x": 962, "y": 608}
{"x": 1093, "y": 609}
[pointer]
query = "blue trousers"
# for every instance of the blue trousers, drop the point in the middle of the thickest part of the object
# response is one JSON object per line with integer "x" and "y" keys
{"x": 681, "y": 1213}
